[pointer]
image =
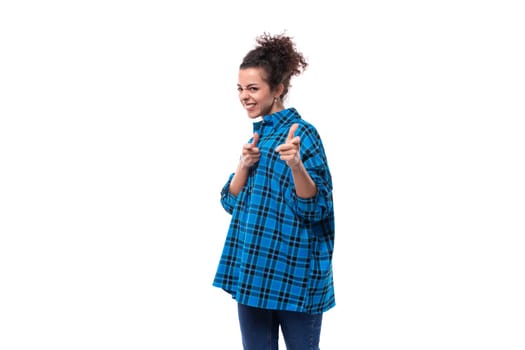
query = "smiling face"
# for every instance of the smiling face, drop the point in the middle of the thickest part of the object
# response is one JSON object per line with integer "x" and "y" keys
{"x": 255, "y": 93}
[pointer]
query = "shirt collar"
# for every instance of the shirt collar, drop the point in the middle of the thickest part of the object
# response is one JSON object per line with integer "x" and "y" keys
{"x": 281, "y": 117}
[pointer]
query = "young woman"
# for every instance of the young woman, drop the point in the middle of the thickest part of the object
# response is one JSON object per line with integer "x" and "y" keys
{"x": 277, "y": 258}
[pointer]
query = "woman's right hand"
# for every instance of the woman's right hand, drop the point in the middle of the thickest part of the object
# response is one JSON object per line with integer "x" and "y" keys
{"x": 250, "y": 153}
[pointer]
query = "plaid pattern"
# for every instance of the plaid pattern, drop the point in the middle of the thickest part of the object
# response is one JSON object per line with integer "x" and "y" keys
{"x": 278, "y": 250}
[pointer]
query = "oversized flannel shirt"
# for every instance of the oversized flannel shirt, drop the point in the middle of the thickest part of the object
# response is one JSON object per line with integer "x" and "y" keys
{"x": 278, "y": 250}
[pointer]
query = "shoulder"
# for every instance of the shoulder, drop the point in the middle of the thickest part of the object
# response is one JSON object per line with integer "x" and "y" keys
{"x": 307, "y": 129}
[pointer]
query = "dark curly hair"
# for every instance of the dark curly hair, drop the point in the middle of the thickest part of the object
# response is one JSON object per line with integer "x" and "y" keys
{"x": 277, "y": 55}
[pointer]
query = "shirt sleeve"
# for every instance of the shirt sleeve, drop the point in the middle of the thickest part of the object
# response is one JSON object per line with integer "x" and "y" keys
{"x": 228, "y": 199}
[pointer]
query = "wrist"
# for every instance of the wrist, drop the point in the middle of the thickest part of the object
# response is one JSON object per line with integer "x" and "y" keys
{"x": 243, "y": 166}
{"x": 295, "y": 165}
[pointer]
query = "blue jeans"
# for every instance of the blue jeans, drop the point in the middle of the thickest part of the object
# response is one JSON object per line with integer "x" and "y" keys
{"x": 260, "y": 329}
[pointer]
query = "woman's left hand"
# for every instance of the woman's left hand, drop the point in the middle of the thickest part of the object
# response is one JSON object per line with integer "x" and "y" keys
{"x": 291, "y": 150}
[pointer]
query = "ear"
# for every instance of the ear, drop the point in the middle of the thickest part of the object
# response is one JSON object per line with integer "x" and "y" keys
{"x": 279, "y": 90}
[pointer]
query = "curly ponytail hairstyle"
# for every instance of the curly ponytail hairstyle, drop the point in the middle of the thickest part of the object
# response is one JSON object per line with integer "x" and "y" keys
{"x": 278, "y": 57}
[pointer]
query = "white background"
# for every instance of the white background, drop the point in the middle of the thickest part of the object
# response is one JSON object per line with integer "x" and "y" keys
{"x": 119, "y": 124}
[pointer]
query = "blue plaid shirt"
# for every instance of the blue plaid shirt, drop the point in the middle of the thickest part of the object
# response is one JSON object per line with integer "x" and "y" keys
{"x": 278, "y": 250}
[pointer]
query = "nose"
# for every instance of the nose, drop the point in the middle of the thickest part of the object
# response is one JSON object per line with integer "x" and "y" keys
{"x": 243, "y": 95}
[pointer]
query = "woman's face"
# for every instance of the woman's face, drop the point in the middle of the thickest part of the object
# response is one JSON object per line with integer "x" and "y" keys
{"x": 255, "y": 94}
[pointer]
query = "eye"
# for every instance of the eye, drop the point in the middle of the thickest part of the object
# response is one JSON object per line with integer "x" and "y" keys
{"x": 253, "y": 89}
{"x": 239, "y": 89}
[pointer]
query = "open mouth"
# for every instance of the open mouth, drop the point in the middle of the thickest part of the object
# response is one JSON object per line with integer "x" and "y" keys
{"x": 249, "y": 106}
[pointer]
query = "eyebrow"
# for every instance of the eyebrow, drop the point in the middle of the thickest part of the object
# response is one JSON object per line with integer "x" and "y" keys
{"x": 249, "y": 85}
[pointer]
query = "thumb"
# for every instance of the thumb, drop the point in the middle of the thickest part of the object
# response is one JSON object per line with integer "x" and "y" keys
{"x": 255, "y": 139}
{"x": 293, "y": 128}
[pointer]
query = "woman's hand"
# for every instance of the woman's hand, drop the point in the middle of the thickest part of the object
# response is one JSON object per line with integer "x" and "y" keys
{"x": 250, "y": 153}
{"x": 291, "y": 150}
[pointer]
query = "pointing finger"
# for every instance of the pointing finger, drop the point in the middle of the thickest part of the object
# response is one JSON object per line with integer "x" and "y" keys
{"x": 293, "y": 128}
{"x": 255, "y": 139}
{"x": 296, "y": 140}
